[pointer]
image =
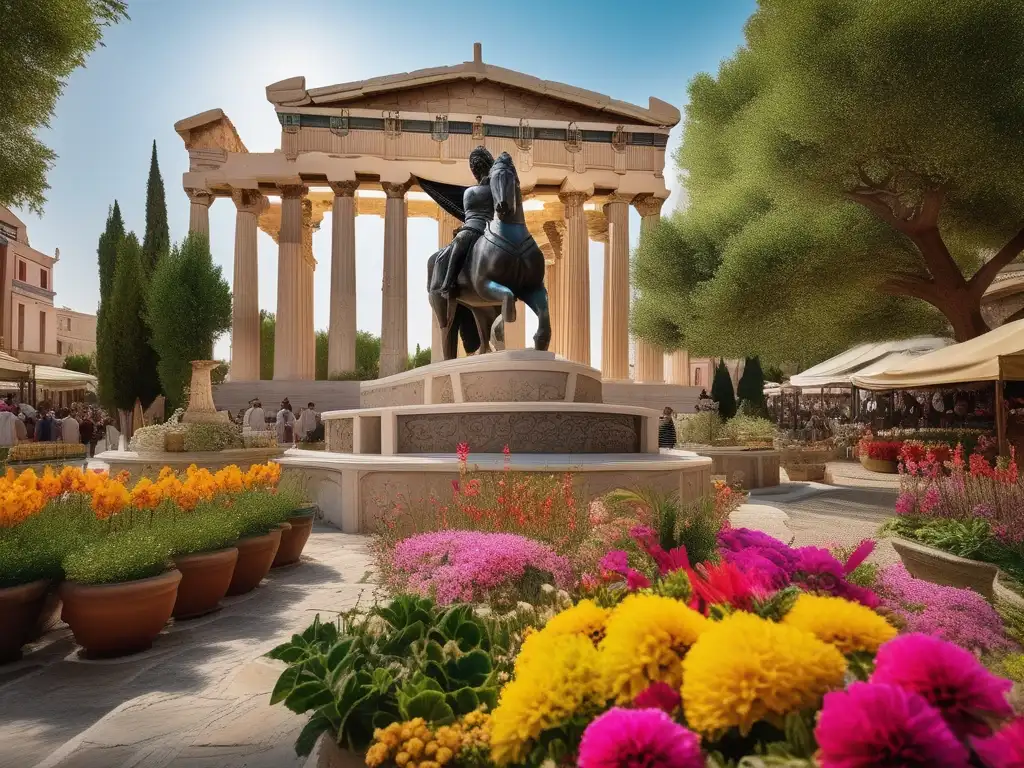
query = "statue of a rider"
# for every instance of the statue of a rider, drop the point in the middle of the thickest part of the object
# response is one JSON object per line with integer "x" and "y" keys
{"x": 479, "y": 209}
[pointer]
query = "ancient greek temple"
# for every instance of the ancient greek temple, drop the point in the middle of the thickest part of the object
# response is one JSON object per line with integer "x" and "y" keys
{"x": 354, "y": 149}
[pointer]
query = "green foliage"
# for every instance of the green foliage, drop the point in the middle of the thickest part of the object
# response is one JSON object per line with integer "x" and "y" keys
{"x": 189, "y": 307}
{"x": 212, "y": 437}
{"x": 408, "y": 658}
{"x": 750, "y": 390}
{"x": 106, "y": 253}
{"x": 694, "y": 525}
{"x": 322, "y": 349}
{"x": 41, "y": 43}
{"x": 128, "y": 554}
{"x": 368, "y": 354}
{"x": 267, "y": 325}
{"x": 256, "y": 513}
{"x": 961, "y": 538}
{"x": 207, "y": 528}
{"x": 80, "y": 363}
{"x": 704, "y": 428}
{"x": 722, "y": 391}
{"x": 419, "y": 358}
{"x": 749, "y": 429}
{"x": 156, "y": 243}
{"x": 36, "y": 548}
{"x": 802, "y": 209}
{"x": 130, "y": 356}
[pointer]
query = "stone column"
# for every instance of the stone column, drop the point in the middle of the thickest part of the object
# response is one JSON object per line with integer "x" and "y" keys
{"x": 288, "y": 341}
{"x": 341, "y": 333}
{"x": 245, "y": 301}
{"x": 308, "y": 265}
{"x": 446, "y": 226}
{"x": 394, "y": 326}
{"x": 615, "y": 330}
{"x": 199, "y": 211}
{"x": 650, "y": 359}
{"x": 572, "y": 285}
{"x": 678, "y": 365}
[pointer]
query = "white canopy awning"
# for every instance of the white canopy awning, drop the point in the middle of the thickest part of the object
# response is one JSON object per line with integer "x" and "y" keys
{"x": 53, "y": 379}
{"x": 875, "y": 357}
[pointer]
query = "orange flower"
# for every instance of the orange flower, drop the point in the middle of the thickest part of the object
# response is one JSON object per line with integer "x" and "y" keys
{"x": 229, "y": 479}
{"x": 50, "y": 485}
{"x": 109, "y": 499}
{"x": 146, "y": 494}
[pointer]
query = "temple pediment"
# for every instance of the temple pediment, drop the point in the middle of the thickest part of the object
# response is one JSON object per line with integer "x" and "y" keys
{"x": 473, "y": 88}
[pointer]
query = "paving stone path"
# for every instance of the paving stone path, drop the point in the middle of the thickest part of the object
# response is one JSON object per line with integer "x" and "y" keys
{"x": 199, "y": 698}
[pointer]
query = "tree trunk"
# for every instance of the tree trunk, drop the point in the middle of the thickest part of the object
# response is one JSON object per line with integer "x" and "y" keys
{"x": 964, "y": 313}
{"x": 125, "y": 419}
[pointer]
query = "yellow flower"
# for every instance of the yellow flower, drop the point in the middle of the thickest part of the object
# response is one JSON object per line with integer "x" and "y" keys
{"x": 543, "y": 696}
{"x": 848, "y": 626}
{"x": 146, "y": 494}
{"x": 377, "y": 754}
{"x": 746, "y": 669}
{"x": 229, "y": 479}
{"x": 109, "y": 499}
{"x": 586, "y": 619}
{"x": 645, "y": 642}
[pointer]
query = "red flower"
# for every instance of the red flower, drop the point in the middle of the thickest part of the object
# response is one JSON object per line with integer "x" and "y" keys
{"x": 462, "y": 452}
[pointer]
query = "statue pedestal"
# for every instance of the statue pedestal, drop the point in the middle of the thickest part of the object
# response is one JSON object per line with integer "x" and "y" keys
{"x": 201, "y": 409}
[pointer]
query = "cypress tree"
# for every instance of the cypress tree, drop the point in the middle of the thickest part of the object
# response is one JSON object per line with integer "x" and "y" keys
{"x": 157, "y": 240}
{"x": 125, "y": 320}
{"x": 722, "y": 391}
{"x": 750, "y": 390}
{"x": 106, "y": 253}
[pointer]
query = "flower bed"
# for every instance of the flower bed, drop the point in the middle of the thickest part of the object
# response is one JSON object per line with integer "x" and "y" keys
{"x": 92, "y": 531}
{"x": 47, "y": 451}
{"x": 966, "y": 507}
{"x": 762, "y": 649}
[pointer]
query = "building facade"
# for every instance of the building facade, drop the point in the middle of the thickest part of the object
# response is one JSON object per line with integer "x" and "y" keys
{"x": 29, "y": 322}
{"x": 583, "y": 160}
{"x": 76, "y": 332}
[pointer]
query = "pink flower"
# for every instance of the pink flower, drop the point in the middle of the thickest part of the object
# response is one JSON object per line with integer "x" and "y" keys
{"x": 636, "y": 580}
{"x": 859, "y": 555}
{"x": 951, "y": 679}
{"x": 462, "y": 452}
{"x": 638, "y": 738}
{"x": 870, "y": 725}
{"x": 658, "y": 696}
{"x": 616, "y": 561}
{"x": 905, "y": 504}
{"x": 1005, "y": 749}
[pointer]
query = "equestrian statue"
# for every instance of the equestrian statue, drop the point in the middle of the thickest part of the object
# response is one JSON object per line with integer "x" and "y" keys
{"x": 474, "y": 281}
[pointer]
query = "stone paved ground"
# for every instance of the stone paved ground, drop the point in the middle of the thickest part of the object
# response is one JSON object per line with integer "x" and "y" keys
{"x": 198, "y": 699}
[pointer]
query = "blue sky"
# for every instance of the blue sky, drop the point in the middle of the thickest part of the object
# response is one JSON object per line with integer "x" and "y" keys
{"x": 176, "y": 58}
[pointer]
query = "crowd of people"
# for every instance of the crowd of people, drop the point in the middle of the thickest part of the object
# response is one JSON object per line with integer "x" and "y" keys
{"x": 79, "y": 423}
{"x": 307, "y": 427}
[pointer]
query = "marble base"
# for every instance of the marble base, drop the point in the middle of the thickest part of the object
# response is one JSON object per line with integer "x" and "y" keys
{"x": 352, "y": 489}
{"x": 149, "y": 465}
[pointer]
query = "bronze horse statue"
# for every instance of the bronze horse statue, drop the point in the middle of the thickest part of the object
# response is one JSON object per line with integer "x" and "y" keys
{"x": 503, "y": 265}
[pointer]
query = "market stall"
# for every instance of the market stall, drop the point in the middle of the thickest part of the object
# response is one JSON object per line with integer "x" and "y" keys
{"x": 996, "y": 357}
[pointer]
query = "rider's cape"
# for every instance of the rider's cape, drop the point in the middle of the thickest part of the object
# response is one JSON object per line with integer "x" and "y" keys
{"x": 448, "y": 196}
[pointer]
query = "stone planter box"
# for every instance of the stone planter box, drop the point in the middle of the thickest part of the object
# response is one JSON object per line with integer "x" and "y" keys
{"x": 747, "y": 467}
{"x": 806, "y": 465}
{"x": 880, "y": 465}
{"x": 938, "y": 567}
{"x": 805, "y": 473}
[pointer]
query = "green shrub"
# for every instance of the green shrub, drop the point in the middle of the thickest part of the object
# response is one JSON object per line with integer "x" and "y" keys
{"x": 207, "y": 528}
{"x": 36, "y": 548}
{"x": 212, "y": 437}
{"x": 694, "y": 525}
{"x": 744, "y": 429}
{"x": 704, "y": 428}
{"x": 129, "y": 554}
{"x": 255, "y": 513}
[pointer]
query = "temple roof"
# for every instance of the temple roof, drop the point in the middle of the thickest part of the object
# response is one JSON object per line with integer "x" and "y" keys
{"x": 293, "y": 92}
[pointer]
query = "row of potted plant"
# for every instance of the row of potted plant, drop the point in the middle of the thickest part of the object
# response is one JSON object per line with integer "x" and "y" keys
{"x": 122, "y": 559}
{"x": 884, "y": 451}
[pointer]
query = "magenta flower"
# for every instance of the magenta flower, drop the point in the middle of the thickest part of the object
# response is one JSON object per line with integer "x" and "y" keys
{"x": 615, "y": 561}
{"x": 466, "y": 566}
{"x": 1005, "y": 749}
{"x": 638, "y": 738}
{"x": 951, "y": 679}
{"x": 870, "y": 725}
{"x": 636, "y": 580}
{"x": 906, "y": 503}
{"x": 859, "y": 555}
{"x": 658, "y": 696}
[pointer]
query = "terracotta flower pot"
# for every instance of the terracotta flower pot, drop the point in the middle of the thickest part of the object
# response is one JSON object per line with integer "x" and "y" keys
{"x": 294, "y": 539}
{"x": 49, "y": 617}
{"x": 255, "y": 556}
{"x": 20, "y": 608}
{"x": 880, "y": 465}
{"x": 938, "y": 567}
{"x": 118, "y": 619}
{"x": 204, "y": 581}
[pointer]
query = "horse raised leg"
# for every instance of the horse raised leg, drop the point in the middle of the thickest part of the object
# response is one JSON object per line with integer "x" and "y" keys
{"x": 537, "y": 300}
{"x": 499, "y": 294}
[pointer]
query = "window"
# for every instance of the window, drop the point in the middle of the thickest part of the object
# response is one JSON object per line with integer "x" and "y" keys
{"x": 60, "y": 347}
{"x": 42, "y": 331}
{"x": 21, "y": 326}
{"x": 696, "y": 378}
{"x": 68, "y": 324}
{"x": 22, "y": 271}
{"x": 44, "y": 279}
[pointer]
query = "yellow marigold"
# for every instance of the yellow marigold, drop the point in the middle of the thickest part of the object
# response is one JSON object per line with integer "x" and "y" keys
{"x": 146, "y": 494}
{"x": 109, "y": 499}
{"x": 543, "y": 696}
{"x": 646, "y": 639}
{"x": 586, "y": 619}
{"x": 229, "y": 479}
{"x": 746, "y": 669}
{"x": 50, "y": 485}
{"x": 848, "y": 626}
